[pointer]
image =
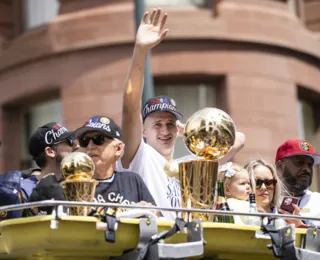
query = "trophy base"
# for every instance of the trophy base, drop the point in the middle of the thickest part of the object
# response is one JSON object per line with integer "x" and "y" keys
{"x": 198, "y": 180}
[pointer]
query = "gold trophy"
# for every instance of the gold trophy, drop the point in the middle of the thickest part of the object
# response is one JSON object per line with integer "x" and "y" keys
{"x": 209, "y": 134}
{"x": 78, "y": 169}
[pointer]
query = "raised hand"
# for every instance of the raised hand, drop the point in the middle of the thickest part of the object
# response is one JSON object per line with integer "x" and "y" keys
{"x": 150, "y": 32}
{"x": 181, "y": 129}
{"x": 144, "y": 203}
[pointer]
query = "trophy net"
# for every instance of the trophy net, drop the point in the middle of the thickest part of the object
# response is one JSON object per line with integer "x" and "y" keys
{"x": 80, "y": 191}
{"x": 198, "y": 180}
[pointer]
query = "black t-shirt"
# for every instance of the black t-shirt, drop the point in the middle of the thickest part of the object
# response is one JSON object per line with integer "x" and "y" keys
{"x": 48, "y": 188}
{"x": 123, "y": 188}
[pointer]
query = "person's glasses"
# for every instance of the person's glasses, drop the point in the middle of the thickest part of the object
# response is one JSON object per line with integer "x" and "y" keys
{"x": 270, "y": 184}
{"x": 69, "y": 141}
{"x": 97, "y": 140}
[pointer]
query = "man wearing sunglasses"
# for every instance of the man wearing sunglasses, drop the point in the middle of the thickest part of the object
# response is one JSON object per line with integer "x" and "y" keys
{"x": 101, "y": 139}
{"x": 294, "y": 161}
{"x": 150, "y": 138}
{"x": 48, "y": 145}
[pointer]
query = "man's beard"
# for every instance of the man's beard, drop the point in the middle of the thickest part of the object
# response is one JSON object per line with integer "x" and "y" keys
{"x": 297, "y": 185}
{"x": 59, "y": 159}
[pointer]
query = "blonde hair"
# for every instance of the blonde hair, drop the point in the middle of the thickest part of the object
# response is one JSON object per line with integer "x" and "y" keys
{"x": 227, "y": 180}
{"x": 251, "y": 165}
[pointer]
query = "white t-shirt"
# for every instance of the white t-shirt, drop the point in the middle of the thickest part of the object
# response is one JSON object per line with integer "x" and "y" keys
{"x": 309, "y": 205}
{"x": 149, "y": 164}
{"x": 240, "y": 206}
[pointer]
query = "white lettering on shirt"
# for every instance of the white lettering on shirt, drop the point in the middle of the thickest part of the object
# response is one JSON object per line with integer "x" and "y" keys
{"x": 112, "y": 197}
{"x": 173, "y": 192}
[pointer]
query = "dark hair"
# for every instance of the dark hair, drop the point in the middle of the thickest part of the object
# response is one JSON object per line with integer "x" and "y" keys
{"x": 41, "y": 160}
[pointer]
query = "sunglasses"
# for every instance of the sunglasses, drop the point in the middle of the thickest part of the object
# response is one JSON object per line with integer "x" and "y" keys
{"x": 69, "y": 141}
{"x": 97, "y": 140}
{"x": 270, "y": 184}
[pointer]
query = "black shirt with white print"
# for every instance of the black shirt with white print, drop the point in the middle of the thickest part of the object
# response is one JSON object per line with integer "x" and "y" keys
{"x": 123, "y": 188}
{"x": 47, "y": 188}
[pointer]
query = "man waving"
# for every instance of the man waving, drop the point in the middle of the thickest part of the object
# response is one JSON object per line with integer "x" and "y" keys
{"x": 158, "y": 124}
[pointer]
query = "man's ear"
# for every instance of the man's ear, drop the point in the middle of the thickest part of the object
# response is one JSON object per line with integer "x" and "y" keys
{"x": 143, "y": 131}
{"x": 279, "y": 165}
{"x": 119, "y": 150}
{"x": 48, "y": 151}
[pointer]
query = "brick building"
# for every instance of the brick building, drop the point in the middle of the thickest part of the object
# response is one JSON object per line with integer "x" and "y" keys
{"x": 67, "y": 60}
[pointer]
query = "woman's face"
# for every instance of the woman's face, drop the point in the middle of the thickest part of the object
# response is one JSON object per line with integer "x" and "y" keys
{"x": 264, "y": 194}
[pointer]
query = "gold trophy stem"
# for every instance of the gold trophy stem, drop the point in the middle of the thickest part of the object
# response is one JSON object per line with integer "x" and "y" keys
{"x": 198, "y": 180}
{"x": 80, "y": 190}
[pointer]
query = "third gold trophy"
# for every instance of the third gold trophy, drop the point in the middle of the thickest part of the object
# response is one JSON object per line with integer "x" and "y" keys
{"x": 209, "y": 135}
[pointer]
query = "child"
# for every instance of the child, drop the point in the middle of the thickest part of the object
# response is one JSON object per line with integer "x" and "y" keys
{"x": 237, "y": 188}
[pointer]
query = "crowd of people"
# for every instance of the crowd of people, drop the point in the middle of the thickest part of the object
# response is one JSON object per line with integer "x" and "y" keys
{"x": 130, "y": 160}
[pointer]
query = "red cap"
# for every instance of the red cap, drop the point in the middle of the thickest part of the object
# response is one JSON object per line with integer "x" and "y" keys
{"x": 297, "y": 147}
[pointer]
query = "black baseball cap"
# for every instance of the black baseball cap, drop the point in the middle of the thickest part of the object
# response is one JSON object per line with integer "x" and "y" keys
{"x": 101, "y": 124}
{"x": 47, "y": 136}
{"x": 160, "y": 104}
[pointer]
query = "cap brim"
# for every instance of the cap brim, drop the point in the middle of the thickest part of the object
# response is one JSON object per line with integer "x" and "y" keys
{"x": 175, "y": 113}
{"x": 81, "y": 131}
{"x": 67, "y": 135}
{"x": 315, "y": 157}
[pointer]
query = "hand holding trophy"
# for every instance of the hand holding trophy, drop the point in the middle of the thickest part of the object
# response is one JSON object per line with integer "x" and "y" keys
{"x": 209, "y": 134}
